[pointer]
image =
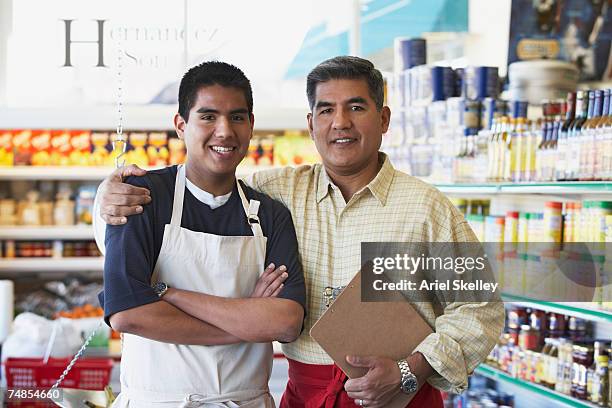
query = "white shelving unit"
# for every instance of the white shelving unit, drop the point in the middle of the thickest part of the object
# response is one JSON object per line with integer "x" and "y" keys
{"x": 81, "y": 232}
{"x": 76, "y": 264}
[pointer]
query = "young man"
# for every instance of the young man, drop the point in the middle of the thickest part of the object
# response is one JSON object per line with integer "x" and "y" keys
{"x": 331, "y": 203}
{"x": 182, "y": 279}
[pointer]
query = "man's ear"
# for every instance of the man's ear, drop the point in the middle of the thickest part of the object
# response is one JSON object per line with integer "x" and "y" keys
{"x": 385, "y": 117}
{"x": 309, "y": 120}
{"x": 179, "y": 125}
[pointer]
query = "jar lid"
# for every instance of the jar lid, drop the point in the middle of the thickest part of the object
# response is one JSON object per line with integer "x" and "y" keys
{"x": 512, "y": 214}
{"x": 553, "y": 204}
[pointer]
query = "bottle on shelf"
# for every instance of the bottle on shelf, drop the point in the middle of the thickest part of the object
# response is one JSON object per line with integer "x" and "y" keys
{"x": 602, "y": 167}
{"x": 532, "y": 143}
{"x": 508, "y": 159}
{"x": 587, "y": 138}
{"x": 562, "y": 150}
{"x": 584, "y": 111}
{"x": 518, "y": 149}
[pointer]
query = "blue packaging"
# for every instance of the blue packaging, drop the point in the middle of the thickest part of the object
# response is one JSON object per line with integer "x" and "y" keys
{"x": 487, "y": 82}
{"x": 518, "y": 109}
{"x": 409, "y": 53}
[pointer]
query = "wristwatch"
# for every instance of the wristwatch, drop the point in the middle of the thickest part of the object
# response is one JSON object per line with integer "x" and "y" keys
{"x": 409, "y": 383}
{"x": 160, "y": 288}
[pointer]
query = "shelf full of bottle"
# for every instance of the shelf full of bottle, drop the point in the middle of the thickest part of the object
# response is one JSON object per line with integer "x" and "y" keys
{"x": 493, "y": 140}
{"x": 557, "y": 352}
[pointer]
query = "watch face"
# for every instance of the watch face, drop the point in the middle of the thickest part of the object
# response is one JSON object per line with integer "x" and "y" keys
{"x": 409, "y": 385}
{"x": 160, "y": 288}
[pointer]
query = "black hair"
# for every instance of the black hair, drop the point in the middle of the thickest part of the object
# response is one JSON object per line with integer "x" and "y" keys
{"x": 211, "y": 73}
{"x": 346, "y": 67}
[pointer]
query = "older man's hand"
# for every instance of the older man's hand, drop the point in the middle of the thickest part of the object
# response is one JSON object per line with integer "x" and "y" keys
{"x": 119, "y": 200}
{"x": 380, "y": 384}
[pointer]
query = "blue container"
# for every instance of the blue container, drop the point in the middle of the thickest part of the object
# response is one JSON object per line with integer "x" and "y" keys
{"x": 442, "y": 83}
{"x": 459, "y": 82}
{"x": 487, "y": 82}
{"x": 518, "y": 109}
{"x": 409, "y": 53}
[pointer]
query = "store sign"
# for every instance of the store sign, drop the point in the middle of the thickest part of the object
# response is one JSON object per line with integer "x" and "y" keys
{"x": 65, "y": 52}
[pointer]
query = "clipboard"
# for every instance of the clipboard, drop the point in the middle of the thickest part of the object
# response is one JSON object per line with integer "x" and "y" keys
{"x": 385, "y": 329}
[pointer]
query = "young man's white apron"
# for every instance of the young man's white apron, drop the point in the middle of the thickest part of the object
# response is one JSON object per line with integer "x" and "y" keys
{"x": 155, "y": 374}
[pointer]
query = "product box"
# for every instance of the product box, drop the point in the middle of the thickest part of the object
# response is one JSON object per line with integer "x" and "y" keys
{"x": 136, "y": 153}
{"x": 41, "y": 148}
{"x": 84, "y": 204}
{"x": 100, "y": 152}
{"x": 22, "y": 142}
{"x": 60, "y": 148}
{"x": 157, "y": 149}
{"x": 6, "y": 148}
{"x": 80, "y": 141}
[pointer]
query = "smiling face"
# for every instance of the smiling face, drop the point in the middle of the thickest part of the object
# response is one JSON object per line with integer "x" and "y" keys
{"x": 218, "y": 132}
{"x": 346, "y": 126}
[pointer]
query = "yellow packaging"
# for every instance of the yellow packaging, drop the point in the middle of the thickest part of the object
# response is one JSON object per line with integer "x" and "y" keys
{"x": 157, "y": 150}
{"x": 136, "y": 149}
{"x": 100, "y": 156}
{"x": 177, "y": 152}
{"x": 80, "y": 140}
{"x": 60, "y": 148}
{"x": 6, "y": 148}
{"x": 41, "y": 148}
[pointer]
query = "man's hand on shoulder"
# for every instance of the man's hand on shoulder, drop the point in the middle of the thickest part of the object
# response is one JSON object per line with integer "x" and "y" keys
{"x": 119, "y": 200}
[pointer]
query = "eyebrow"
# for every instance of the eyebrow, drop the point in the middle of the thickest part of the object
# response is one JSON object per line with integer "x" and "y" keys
{"x": 355, "y": 99}
{"x": 211, "y": 110}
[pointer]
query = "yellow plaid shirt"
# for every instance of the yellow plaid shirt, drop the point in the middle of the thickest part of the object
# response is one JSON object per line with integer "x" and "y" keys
{"x": 394, "y": 207}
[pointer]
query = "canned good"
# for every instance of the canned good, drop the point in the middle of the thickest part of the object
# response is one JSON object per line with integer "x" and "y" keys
{"x": 409, "y": 52}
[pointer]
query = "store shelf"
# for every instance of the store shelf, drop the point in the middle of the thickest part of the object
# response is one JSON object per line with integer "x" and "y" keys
{"x": 82, "y": 173}
{"x": 498, "y": 375}
{"x": 47, "y": 232}
{"x": 596, "y": 187}
{"x": 77, "y": 264}
{"x": 569, "y": 308}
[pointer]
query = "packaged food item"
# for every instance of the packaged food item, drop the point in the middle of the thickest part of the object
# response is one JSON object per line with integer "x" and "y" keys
{"x": 80, "y": 140}
{"x": 100, "y": 155}
{"x": 41, "y": 148}
{"x": 157, "y": 150}
{"x": 29, "y": 211}
{"x": 553, "y": 222}
{"x": 267, "y": 151}
{"x": 60, "y": 148}
{"x": 177, "y": 152}
{"x": 63, "y": 213}
{"x": 6, "y": 148}
{"x": 511, "y": 226}
{"x": 46, "y": 212}
{"x": 136, "y": 153}
{"x": 84, "y": 204}
{"x": 22, "y": 142}
{"x": 8, "y": 210}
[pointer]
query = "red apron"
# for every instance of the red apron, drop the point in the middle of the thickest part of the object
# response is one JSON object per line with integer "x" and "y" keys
{"x": 322, "y": 386}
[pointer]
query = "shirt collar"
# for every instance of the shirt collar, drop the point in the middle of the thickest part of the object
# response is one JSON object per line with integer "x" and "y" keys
{"x": 379, "y": 187}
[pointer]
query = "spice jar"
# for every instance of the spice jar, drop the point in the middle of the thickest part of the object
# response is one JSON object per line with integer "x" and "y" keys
{"x": 529, "y": 338}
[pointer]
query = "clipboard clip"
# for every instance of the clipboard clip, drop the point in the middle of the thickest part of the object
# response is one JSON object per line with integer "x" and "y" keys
{"x": 330, "y": 294}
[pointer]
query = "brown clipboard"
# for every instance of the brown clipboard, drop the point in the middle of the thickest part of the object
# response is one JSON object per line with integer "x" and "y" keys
{"x": 384, "y": 329}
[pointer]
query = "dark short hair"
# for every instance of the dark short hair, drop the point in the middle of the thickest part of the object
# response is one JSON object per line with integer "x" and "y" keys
{"x": 346, "y": 67}
{"x": 207, "y": 74}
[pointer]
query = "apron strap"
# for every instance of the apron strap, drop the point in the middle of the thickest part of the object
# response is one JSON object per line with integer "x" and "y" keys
{"x": 251, "y": 208}
{"x": 179, "y": 194}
